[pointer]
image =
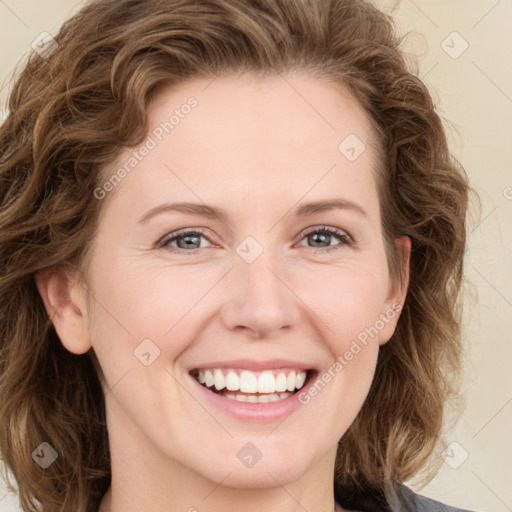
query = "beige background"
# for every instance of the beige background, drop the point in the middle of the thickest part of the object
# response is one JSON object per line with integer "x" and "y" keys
{"x": 474, "y": 94}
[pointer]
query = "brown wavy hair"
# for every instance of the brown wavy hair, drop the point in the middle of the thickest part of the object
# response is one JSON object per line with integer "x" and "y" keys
{"x": 72, "y": 112}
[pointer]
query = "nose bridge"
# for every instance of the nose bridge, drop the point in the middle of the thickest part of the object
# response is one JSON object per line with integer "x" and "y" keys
{"x": 258, "y": 298}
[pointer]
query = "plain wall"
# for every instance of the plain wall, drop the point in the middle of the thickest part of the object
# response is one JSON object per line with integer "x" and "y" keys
{"x": 473, "y": 90}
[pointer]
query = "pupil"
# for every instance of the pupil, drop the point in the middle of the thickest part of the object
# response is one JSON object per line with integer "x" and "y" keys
{"x": 187, "y": 238}
{"x": 317, "y": 235}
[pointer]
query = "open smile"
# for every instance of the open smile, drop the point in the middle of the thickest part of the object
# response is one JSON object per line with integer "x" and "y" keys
{"x": 256, "y": 393}
{"x": 252, "y": 386}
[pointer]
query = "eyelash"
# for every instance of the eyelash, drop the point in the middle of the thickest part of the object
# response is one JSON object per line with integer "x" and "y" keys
{"x": 325, "y": 230}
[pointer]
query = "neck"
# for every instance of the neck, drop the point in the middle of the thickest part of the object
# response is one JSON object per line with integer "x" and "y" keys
{"x": 106, "y": 504}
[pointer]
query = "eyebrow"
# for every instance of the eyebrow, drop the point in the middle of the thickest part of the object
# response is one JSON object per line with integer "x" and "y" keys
{"x": 212, "y": 212}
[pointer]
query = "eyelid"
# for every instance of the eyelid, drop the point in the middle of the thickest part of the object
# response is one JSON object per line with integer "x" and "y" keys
{"x": 175, "y": 234}
{"x": 331, "y": 229}
{"x": 344, "y": 237}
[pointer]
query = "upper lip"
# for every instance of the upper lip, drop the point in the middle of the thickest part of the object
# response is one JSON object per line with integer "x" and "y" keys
{"x": 252, "y": 364}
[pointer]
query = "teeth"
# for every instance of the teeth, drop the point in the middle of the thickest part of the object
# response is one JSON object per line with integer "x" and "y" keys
{"x": 290, "y": 381}
{"x": 208, "y": 378}
{"x": 266, "y": 383}
{"x": 245, "y": 381}
{"x": 300, "y": 379}
{"x": 248, "y": 382}
{"x": 219, "y": 379}
{"x": 281, "y": 382}
{"x": 274, "y": 397}
{"x": 232, "y": 381}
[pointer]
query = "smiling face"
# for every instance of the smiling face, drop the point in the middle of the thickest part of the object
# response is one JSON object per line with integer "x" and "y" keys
{"x": 242, "y": 282}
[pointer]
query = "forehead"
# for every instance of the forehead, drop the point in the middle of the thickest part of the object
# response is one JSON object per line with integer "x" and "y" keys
{"x": 267, "y": 115}
{"x": 244, "y": 135}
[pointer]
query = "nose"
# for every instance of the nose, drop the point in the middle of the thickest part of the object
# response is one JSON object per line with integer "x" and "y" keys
{"x": 260, "y": 297}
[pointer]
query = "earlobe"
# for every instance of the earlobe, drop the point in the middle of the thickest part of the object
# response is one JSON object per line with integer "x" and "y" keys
{"x": 65, "y": 301}
{"x": 397, "y": 291}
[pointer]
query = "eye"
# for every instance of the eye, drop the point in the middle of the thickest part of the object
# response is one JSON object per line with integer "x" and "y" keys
{"x": 187, "y": 240}
{"x": 322, "y": 236}
{"x": 190, "y": 240}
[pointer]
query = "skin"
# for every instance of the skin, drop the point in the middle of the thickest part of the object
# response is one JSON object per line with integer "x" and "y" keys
{"x": 256, "y": 148}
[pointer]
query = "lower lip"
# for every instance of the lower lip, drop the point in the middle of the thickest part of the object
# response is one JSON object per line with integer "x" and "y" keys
{"x": 254, "y": 412}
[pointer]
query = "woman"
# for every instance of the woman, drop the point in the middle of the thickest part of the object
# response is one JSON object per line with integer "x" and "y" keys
{"x": 232, "y": 239}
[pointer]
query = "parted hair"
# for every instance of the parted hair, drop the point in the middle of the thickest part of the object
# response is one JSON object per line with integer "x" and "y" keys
{"x": 70, "y": 114}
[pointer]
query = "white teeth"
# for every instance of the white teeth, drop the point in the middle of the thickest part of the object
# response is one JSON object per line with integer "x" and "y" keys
{"x": 248, "y": 382}
{"x": 219, "y": 379}
{"x": 300, "y": 379}
{"x": 281, "y": 382}
{"x": 290, "y": 381}
{"x": 208, "y": 378}
{"x": 268, "y": 382}
{"x": 232, "y": 381}
{"x": 273, "y": 397}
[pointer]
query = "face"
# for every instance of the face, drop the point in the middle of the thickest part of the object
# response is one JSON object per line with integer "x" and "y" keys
{"x": 250, "y": 286}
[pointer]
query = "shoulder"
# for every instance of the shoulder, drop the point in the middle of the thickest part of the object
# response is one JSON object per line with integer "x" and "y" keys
{"x": 411, "y": 501}
{"x": 372, "y": 500}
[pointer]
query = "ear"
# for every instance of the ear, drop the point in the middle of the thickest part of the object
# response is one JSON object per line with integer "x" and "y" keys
{"x": 397, "y": 291}
{"x": 64, "y": 298}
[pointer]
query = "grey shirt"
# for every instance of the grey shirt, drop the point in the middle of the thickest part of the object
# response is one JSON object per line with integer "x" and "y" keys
{"x": 374, "y": 501}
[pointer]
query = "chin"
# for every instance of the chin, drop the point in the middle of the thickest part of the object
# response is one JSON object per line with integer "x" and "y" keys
{"x": 266, "y": 472}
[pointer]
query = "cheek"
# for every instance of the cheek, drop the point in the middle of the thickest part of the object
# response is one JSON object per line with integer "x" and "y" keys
{"x": 349, "y": 306}
{"x": 348, "y": 299}
{"x": 134, "y": 303}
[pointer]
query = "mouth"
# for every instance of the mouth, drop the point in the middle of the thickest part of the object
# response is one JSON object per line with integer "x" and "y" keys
{"x": 244, "y": 385}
